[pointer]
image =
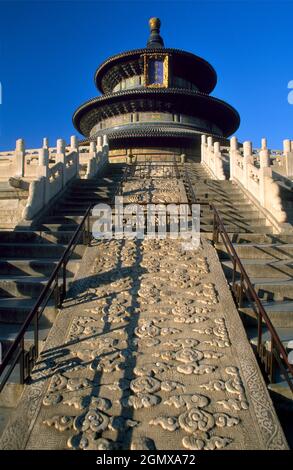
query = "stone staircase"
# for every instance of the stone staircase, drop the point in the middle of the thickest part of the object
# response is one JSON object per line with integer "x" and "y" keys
{"x": 267, "y": 258}
{"x": 28, "y": 257}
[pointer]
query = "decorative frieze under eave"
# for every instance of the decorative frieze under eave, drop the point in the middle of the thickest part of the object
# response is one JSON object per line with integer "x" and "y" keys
{"x": 174, "y": 100}
{"x": 130, "y": 63}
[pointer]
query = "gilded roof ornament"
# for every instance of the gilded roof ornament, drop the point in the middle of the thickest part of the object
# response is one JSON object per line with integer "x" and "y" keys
{"x": 155, "y": 40}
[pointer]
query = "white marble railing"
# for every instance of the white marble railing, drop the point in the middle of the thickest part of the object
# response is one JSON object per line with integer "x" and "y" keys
{"x": 52, "y": 180}
{"x": 49, "y": 169}
{"x": 25, "y": 163}
{"x": 212, "y": 158}
{"x": 258, "y": 180}
{"x": 256, "y": 170}
{"x": 282, "y": 160}
{"x": 95, "y": 156}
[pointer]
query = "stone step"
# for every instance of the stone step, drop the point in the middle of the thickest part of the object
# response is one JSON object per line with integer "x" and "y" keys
{"x": 68, "y": 212}
{"x": 262, "y": 267}
{"x": 282, "y": 394}
{"x": 235, "y": 205}
{"x": 14, "y": 194}
{"x": 204, "y": 179}
{"x": 72, "y": 212}
{"x": 27, "y": 236}
{"x": 198, "y": 177}
{"x": 280, "y": 388}
{"x": 261, "y": 251}
{"x": 79, "y": 203}
{"x": 205, "y": 186}
{"x": 227, "y": 203}
{"x": 34, "y": 267}
{"x": 201, "y": 187}
{"x": 239, "y": 221}
{"x": 285, "y": 335}
{"x": 102, "y": 188}
{"x": 85, "y": 197}
{"x": 79, "y": 191}
{"x": 84, "y": 185}
{"x": 280, "y": 313}
{"x": 242, "y": 213}
{"x": 35, "y": 250}
{"x": 22, "y": 286}
{"x": 16, "y": 310}
{"x": 273, "y": 289}
{"x": 9, "y": 331}
{"x": 56, "y": 228}
{"x": 236, "y": 229}
{"x": 219, "y": 194}
{"x": 261, "y": 238}
{"x": 61, "y": 220}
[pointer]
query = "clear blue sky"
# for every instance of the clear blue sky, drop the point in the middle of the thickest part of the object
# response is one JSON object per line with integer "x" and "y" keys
{"x": 51, "y": 49}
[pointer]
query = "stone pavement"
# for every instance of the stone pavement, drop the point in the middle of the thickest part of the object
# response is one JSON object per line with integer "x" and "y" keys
{"x": 149, "y": 352}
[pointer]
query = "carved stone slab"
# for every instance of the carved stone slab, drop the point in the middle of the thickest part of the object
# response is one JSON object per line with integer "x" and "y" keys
{"x": 149, "y": 353}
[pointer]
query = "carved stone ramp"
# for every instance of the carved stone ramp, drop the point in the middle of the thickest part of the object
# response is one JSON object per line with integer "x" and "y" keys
{"x": 149, "y": 353}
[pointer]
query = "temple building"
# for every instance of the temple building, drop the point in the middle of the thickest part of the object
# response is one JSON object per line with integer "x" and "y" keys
{"x": 155, "y": 100}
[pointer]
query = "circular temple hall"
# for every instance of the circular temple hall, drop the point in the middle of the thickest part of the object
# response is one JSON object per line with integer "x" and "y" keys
{"x": 155, "y": 100}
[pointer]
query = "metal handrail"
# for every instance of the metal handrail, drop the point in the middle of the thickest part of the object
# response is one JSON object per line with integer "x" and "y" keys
{"x": 278, "y": 352}
{"x": 190, "y": 191}
{"x": 51, "y": 287}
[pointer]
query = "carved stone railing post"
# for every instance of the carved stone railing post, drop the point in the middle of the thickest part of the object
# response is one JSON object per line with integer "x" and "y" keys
{"x": 218, "y": 162}
{"x": 270, "y": 197}
{"x": 99, "y": 148}
{"x": 203, "y": 148}
{"x": 209, "y": 151}
{"x": 105, "y": 140}
{"x": 264, "y": 155}
{"x": 73, "y": 142}
{"x": 92, "y": 162}
{"x": 99, "y": 142}
{"x": 93, "y": 147}
{"x": 233, "y": 153}
{"x": 19, "y": 156}
{"x": 43, "y": 167}
{"x": 60, "y": 158}
{"x": 74, "y": 148}
{"x": 105, "y": 148}
{"x": 36, "y": 198}
{"x": 247, "y": 159}
{"x": 288, "y": 155}
{"x": 211, "y": 157}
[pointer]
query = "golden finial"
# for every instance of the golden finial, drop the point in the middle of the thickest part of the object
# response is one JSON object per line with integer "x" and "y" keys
{"x": 155, "y": 41}
{"x": 155, "y": 24}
